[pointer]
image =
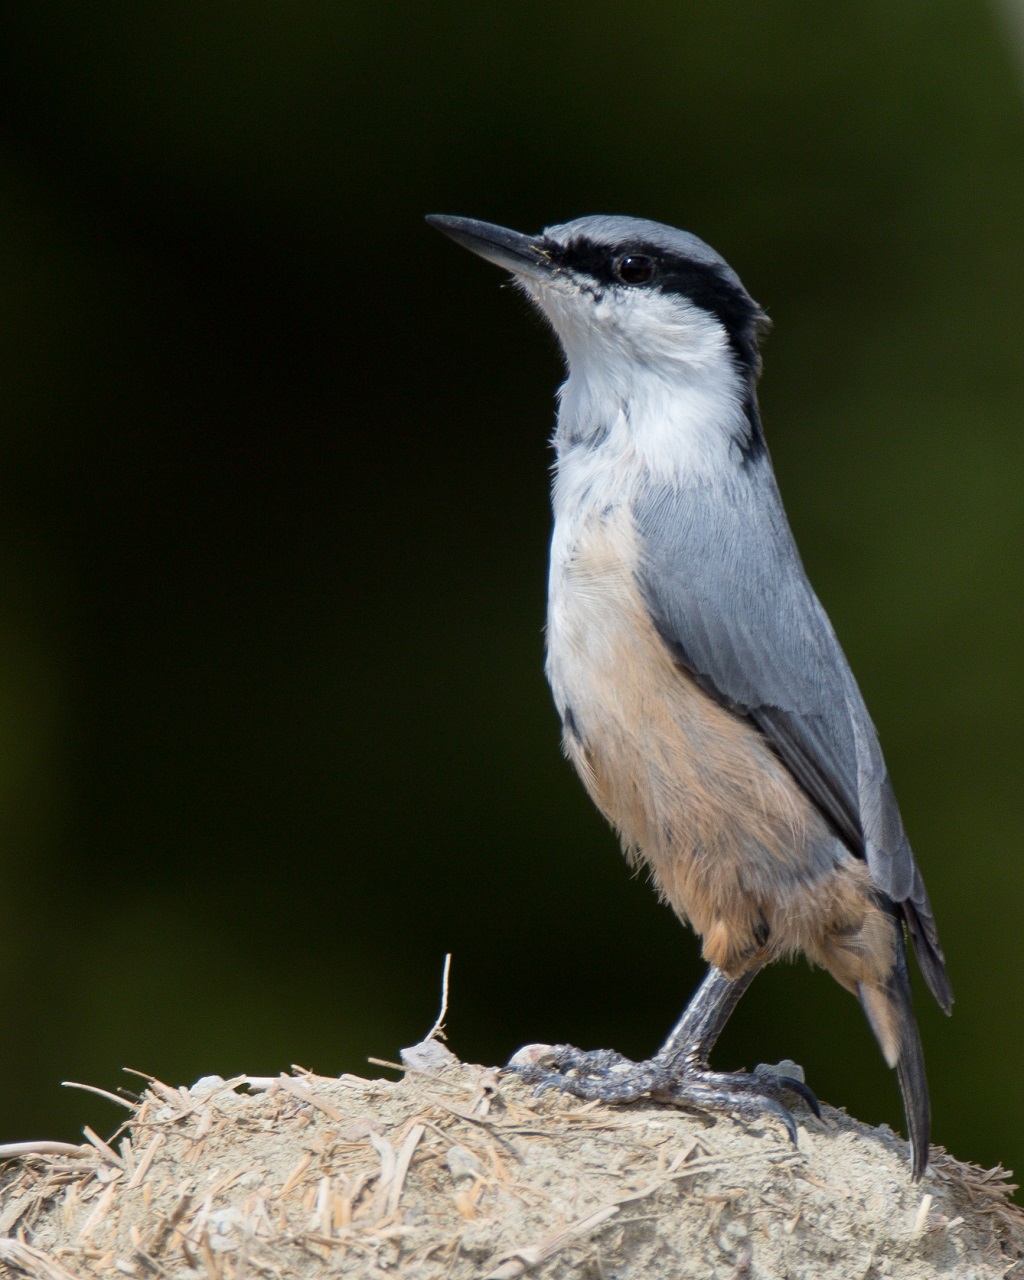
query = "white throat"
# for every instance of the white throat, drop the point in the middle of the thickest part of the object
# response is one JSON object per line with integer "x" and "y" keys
{"x": 625, "y": 421}
{"x": 653, "y": 384}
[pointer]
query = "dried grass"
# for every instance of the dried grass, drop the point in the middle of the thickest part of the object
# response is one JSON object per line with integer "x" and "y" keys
{"x": 463, "y": 1174}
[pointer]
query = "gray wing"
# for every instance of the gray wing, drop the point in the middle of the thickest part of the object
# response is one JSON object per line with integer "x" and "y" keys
{"x": 724, "y": 583}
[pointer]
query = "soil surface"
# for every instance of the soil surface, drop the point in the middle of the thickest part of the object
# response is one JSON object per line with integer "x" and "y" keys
{"x": 459, "y": 1172}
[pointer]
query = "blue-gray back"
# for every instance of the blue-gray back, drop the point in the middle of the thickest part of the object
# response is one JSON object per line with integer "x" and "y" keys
{"x": 723, "y": 579}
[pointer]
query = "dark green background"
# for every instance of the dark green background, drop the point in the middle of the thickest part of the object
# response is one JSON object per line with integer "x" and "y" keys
{"x": 273, "y": 518}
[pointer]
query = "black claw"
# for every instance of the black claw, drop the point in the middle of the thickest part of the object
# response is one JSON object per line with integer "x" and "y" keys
{"x": 779, "y": 1080}
{"x": 783, "y": 1115}
{"x": 802, "y": 1091}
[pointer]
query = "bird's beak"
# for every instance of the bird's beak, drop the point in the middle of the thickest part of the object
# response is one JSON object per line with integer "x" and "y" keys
{"x": 522, "y": 255}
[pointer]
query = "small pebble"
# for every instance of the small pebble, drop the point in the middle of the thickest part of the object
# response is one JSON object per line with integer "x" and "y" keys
{"x": 462, "y": 1163}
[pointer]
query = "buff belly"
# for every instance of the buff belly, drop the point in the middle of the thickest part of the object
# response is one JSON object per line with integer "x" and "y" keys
{"x": 695, "y": 792}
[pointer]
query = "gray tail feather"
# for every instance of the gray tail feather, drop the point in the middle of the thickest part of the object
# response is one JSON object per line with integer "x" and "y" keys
{"x": 910, "y": 1065}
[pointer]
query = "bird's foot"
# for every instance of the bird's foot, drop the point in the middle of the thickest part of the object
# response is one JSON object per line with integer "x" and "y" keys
{"x": 683, "y": 1081}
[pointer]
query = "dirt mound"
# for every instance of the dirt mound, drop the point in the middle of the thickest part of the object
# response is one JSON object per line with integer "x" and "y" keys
{"x": 464, "y": 1174}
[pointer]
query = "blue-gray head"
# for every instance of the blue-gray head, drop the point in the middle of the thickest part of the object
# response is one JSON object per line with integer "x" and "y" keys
{"x": 650, "y": 291}
{"x": 660, "y": 336}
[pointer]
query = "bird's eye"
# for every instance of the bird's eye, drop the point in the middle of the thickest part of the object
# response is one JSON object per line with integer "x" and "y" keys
{"x": 635, "y": 268}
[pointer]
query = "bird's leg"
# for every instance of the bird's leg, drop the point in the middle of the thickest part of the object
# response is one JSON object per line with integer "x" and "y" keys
{"x": 679, "y": 1072}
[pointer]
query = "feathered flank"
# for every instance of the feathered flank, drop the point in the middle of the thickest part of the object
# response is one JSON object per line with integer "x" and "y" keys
{"x": 708, "y": 549}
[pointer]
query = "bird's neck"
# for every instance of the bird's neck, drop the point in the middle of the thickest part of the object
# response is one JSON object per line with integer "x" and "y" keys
{"x": 620, "y": 425}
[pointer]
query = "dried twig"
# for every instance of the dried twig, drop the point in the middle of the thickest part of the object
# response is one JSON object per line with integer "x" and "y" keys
{"x": 142, "y": 1168}
{"x": 34, "y": 1262}
{"x": 100, "y": 1093}
{"x": 522, "y": 1260}
{"x": 437, "y": 1030}
{"x": 106, "y": 1151}
{"x": 18, "y": 1150}
{"x": 402, "y": 1162}
{"x": 305, "y": 1095}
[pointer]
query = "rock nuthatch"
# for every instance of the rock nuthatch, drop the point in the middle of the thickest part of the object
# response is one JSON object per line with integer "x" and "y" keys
{"x": 705, "y": 701}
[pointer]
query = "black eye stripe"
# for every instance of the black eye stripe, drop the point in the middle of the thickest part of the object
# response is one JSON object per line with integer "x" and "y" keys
{"x": 705, "y": 284}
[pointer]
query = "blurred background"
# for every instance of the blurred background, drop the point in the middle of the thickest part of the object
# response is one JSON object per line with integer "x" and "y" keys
{"x": 274, "y": 733}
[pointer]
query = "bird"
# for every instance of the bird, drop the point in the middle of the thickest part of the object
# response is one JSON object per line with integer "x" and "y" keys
{"x": 705, "y": 700}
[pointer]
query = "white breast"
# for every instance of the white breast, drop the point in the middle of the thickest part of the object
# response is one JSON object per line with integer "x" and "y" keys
{"x": 624, "y": 425}
{"x": 592, "y": 606}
